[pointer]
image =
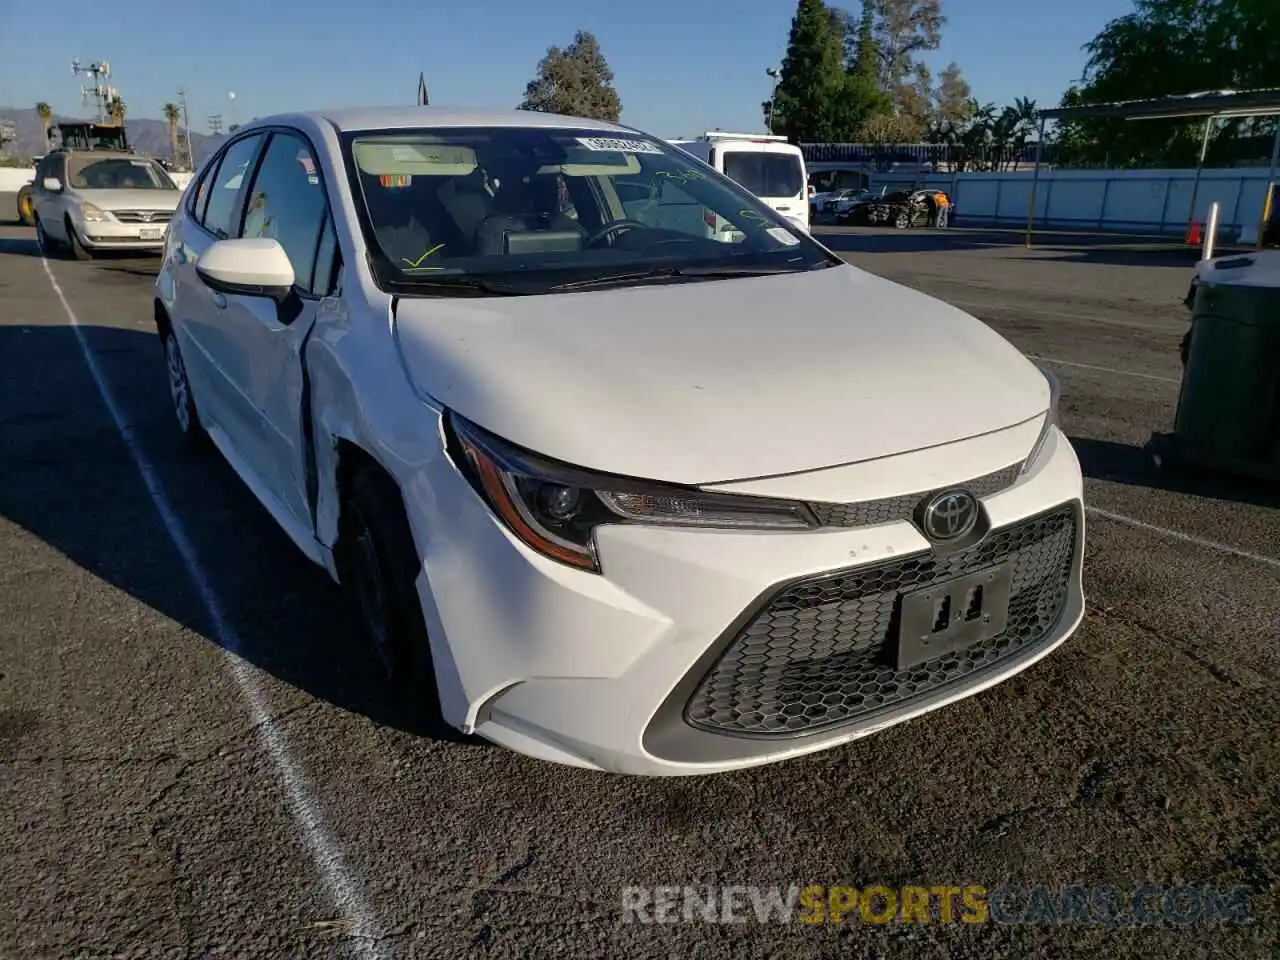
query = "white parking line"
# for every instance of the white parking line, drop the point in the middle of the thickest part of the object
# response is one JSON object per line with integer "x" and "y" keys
{"x": 343, "y": 891}
{"x": 1111, "y": 370}
{"x": 1261, "y": 558}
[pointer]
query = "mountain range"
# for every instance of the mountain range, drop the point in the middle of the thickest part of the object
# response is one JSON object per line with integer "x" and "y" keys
{"x": 145, "y": 136}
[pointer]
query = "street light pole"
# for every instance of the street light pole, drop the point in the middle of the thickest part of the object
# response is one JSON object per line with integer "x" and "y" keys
{"x": 776, "y": 75}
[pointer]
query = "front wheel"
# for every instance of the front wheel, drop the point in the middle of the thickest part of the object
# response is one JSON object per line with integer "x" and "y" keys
{"x": 78, "y": 250}
{"x": 378, "y": 569}
{"x": 902, "y": 220}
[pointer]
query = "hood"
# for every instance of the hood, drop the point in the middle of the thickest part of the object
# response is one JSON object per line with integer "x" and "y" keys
{"x": 131, "y": 199}
{"x": 720, "y": 380}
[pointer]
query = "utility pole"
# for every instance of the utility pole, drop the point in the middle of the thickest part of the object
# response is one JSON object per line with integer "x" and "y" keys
{"x": 186, "y": 123}
{"x": 215, "y": 123}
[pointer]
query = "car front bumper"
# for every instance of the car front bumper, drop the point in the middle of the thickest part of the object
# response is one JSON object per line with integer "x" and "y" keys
{"x": 111, "y": 235}
{"x": 700, "y": 651}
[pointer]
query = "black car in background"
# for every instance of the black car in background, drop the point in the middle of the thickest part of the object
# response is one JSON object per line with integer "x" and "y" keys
{"x": 901, "y": 209}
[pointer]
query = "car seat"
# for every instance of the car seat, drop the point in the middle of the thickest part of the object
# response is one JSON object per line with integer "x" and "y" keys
{"x": 401, "y": 234}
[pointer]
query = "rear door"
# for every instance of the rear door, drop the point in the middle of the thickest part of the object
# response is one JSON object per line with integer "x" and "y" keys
{"x": 208, "y": 343}
{"x": 774, "y": 172}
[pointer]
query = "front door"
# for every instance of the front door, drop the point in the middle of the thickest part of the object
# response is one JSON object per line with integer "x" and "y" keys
{"x": 261, "y": 342}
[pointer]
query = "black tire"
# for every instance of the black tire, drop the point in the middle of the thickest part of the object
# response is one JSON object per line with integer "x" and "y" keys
{"x": 378, "y": 565}
{"x": 902, "y": 220}
{"x": 1184, "y": 349}
{"x": 180, "y": 392}
{"x": 77, "y": 249}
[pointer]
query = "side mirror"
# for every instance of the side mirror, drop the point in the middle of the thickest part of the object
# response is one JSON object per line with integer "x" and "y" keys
{"x": 247, "y": 268}
{"x": 52, "y": 184}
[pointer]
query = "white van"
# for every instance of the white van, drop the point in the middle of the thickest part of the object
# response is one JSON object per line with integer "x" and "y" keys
{"x": 768, "y": 166}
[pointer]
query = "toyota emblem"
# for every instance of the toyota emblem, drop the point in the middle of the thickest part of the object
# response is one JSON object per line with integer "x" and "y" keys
{"x": 949, "y": 515}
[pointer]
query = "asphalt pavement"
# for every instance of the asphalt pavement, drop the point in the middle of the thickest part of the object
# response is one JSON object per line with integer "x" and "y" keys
{"x": 198, "y": 760}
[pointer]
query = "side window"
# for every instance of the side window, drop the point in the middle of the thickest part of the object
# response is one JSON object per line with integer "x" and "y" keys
{"x": 48, "y": 168}
{"x": 327, "y": 261}
{"x": 287, "y": 203}
{"x": 225, "y": 184}
{"x": 199, "y": 191}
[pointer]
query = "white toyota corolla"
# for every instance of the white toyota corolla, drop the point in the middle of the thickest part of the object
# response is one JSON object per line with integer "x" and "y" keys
{"x": 616, "y": 488}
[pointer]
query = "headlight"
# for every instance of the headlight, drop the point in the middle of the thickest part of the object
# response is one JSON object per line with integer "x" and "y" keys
{"x": 554, "y": 508}
{"x": 92, "y": 214}
{"x": 1050, "y": 421}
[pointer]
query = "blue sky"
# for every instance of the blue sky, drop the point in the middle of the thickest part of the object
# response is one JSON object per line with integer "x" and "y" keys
{"x": 681, "y": 66}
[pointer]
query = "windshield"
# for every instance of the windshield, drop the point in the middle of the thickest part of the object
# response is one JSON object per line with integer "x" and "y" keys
{"x": 117, "y": 173}
{"x": 765, "y": 174}
{"x": 543, "y": 207}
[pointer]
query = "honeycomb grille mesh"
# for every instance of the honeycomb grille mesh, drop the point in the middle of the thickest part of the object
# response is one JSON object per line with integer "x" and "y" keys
{"x": 869, "y": 513}
{"x": 823, "y": 651}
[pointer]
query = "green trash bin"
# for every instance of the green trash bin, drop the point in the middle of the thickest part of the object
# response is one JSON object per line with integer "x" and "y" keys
{"x": 1228, "y": 415}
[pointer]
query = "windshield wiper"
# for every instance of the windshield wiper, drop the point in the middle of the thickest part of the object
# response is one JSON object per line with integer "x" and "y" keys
{"x": 688, "y": 272}
{"x": 459, "y": 287}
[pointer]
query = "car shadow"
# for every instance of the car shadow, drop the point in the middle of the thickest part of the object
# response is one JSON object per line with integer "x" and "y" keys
{"x": 1132, "y": 465}
{"x": 121, "y": 261}
{"x": 71, "y": 482}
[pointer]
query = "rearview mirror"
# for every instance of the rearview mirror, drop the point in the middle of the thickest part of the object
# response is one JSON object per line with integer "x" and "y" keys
{"x": 248, "y": 268}
{"x": 52, "y": 184}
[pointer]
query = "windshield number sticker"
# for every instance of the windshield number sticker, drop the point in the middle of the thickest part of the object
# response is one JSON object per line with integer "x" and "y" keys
{"x": 783, "y": 236}
{"x": 615, "y": 145}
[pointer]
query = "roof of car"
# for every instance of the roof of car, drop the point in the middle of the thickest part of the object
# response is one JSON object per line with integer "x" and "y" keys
{"x": 384, "y": 118}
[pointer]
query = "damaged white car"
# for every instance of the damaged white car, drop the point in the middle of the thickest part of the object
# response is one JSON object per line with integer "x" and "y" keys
{"x": 609, "y": 490}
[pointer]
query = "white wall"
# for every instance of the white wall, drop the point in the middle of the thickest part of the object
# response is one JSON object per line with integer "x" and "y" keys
{"x": 1146, "y": 201}
{"x": 12, "y": 179}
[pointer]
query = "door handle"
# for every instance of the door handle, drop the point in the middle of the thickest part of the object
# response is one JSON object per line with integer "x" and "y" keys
{"x": 784, "y": 209}
{"x": 219, "y": 300}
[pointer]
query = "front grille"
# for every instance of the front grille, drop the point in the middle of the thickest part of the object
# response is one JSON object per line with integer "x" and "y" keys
{"x": 868, "y": 513}
{"x": 142, "y": 216}
{"x": 822, "y": 652}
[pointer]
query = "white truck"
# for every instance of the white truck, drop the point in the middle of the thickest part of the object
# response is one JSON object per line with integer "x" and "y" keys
{"x": 768, "y": 166}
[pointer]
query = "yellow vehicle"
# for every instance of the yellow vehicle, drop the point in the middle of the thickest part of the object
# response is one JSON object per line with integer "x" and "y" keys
{"x": 26, "y": 208}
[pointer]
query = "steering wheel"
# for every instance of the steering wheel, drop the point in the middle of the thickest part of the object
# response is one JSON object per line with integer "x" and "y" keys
{"x": 612, "y": 227}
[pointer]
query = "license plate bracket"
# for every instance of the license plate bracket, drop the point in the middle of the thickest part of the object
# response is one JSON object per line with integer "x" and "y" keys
{"x": 151, "y": 233}
{"x": 953, "y": 614}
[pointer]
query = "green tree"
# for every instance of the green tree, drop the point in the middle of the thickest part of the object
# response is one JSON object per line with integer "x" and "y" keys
{"x": 952, "y": 99}
{"x": 903, "y": 29}
{"x": 173, "y": 116}
{"x": 1164, "y": 48}
{"x": 812, "y": 87}
{"x": 45, "y": 113}
{"x": 575, "y": 81}
{"x": 812, "y": 77}
{"x": 866, "y": 52}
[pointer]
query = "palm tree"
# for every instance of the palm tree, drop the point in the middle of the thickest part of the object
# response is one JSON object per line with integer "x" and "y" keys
{"x": 173, "y": 115}
{"x": 45, "y": 112}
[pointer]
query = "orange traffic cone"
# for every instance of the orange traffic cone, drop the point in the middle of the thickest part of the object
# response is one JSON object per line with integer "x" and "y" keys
{"x": 1193, "y": 235}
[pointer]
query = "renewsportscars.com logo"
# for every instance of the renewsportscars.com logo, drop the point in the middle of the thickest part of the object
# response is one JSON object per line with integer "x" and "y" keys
{"x": 971, "y": 904}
